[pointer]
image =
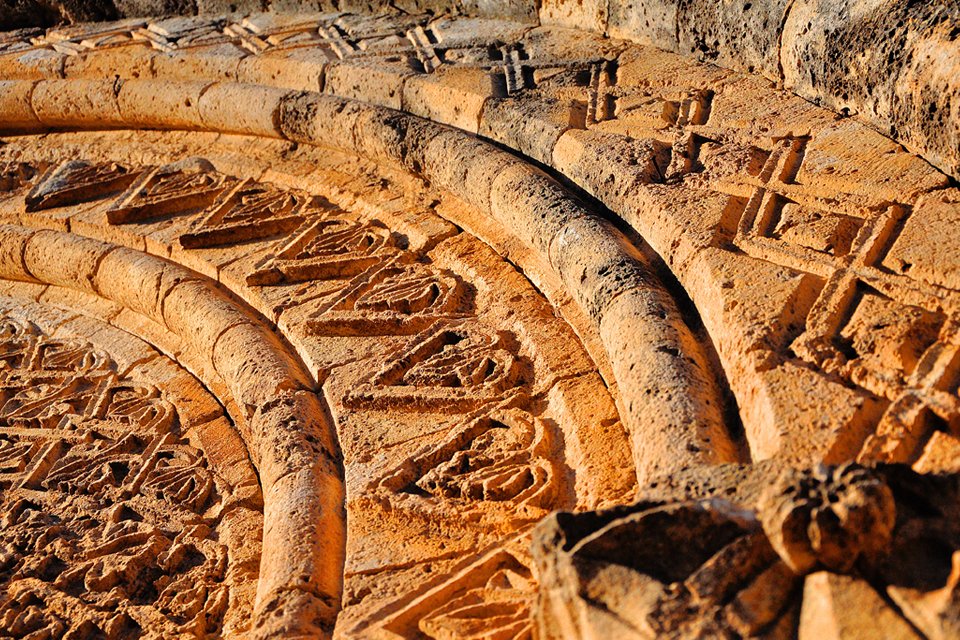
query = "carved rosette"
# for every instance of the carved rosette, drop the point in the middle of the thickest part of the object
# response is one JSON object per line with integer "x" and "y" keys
{"x": 754, "y": 552}
{"x": 828, "y": 517}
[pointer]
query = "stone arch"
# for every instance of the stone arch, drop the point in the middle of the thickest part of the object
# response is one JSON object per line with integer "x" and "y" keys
{"x": 268, "y": 394}
{"x": 616, "y": 282}
{"x": 791, "y": 232}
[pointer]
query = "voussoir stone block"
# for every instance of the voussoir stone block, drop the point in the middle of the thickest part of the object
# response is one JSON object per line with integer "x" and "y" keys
{"x": 65, "y": 259}
{"x": 315, "y": 118}
{"x": 163, "y": 104}
{"x": 15, "y": 105}
{"x": 251, "y": 356}
{"x": 241, "y": 108}
{"x": 13, "y": 244}
{"x": 533, "y": 205}
{"x": 79, "y": 103}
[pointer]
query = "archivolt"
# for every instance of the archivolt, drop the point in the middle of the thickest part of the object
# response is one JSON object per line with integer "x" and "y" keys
{"x": 268, "y": 393}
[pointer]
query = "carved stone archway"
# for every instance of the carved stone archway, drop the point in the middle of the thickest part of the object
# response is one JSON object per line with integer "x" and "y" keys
{"x": 430, "y": 279}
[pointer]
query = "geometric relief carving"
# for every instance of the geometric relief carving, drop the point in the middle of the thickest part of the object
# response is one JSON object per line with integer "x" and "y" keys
{"x": 184, "y": 187}
{"x": 491, "y": 597}
{"x": 504, "y": 456}
{"x": 394, "y": 299}
{"x": 102, "y": 503}
{"x": 635, "y": 106}
{"x": 249, "y": 211}
{"x": 453, "y": 368}
{"x": 326, "y": 249}
{"x": 878, "y": 329}
{"x": 77, "y": 181}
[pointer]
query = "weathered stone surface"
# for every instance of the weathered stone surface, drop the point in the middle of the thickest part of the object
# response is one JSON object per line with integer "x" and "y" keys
{"x": 691, "y": 558}
{"x": 410, "y": 282}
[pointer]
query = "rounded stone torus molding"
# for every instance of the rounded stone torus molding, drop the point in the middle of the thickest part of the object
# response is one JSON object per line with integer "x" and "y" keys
{"x": 445, "y": 275}
{"x": 129, "y": 502}
{"x": 891, "y": 64}
{"x": 268, "y": 396}
{"x": 610, "y": 280}
{"x": 788, "y": 228}
{"x": 462, "y": 404}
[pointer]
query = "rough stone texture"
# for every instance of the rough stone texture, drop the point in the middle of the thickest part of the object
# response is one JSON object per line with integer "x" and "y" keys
{"x": 435, "y": 277}
{"x": 892, "y": 64}
{"x": 692, "y": 560}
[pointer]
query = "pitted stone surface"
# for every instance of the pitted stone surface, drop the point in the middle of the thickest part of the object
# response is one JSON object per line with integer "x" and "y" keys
{"x": 436, "y": 276}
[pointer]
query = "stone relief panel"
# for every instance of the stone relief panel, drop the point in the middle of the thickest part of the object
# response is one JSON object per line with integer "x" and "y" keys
{"x": 759, "y": 552}
{"x": 113, "y": 524}
{"x": 451, "y": 407}
{"x": 800, "y": 239}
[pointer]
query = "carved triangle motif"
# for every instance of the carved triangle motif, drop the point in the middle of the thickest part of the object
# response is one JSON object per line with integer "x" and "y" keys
{"x": 77, "y": 181}
{"x": 248, "y": 211}
{"x": 455, "y": 368}
{"x": 327, "y": 249}
{"x": 394, "y": 299}
{"x": 172, "y": 189}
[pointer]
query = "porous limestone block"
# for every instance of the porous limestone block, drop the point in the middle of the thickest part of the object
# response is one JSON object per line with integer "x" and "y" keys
{"x": 893, "y": 64}
{"x": 227, "y": 453}
{"x": 34, "y": 64}
{"x": 589, "y": 16}
{"x": 241, "y": 530}
{"x": 196, "y": 408}
{"x": 750, "y": 110}
{"x": 318, "y": 119}
{"x": 131, "y": 61}
{"x": 649, "y": 22}
{"x": 936, "y": 215}
{"x": 78, "y": 103}
{"x": 13, "y": 243}
{"x": 595, "y": 441}
{"x": 671, "y": 403}
{"x": 847, "y": 158}
{"x": 610, "y": 167}
{"x": 839, "y": 607}
{"x": 124, "y": 351}
{"x": 192, "y": 311}
{"x": 293, "y": 613}
{"x": 64, "y": 259}
{"x": 455, "y": 97}
{"x": 242, "y": 108}
{"x": 304, "y": 536}
{"x": 742, "y": 34}
{"x": 290, "y": 431}
{"x": 941, "y": 454}
{"x": 15, "y": 105}
{"x": 256, "y": 366}
{"x": 798, "y": 414}
{"x": 645, "y": 66}
{"x": 214, "y": 63}
{"x": 388, "y": 136}
{"x": 532, "y": 205}
{"x": 300, "y": 69}
{"x": 465, "y": 166}
{"x": 597, "y": 263}
{"x": 138, "y": 281}
{"x": 381, "y": 85}
{"x": 162, "y": 104}
{"x": 532, "y": 127}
